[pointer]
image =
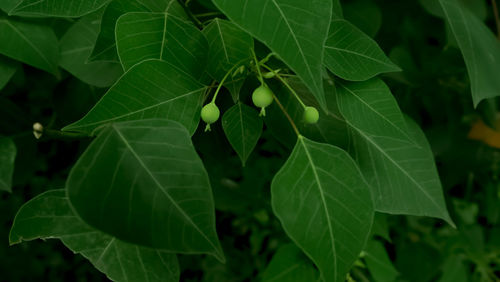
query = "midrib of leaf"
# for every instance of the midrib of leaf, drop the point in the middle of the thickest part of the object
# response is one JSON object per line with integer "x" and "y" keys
{"x": 296, "y": 41}
{"x": 285, "y": 272}
{"x": 474, "y": 65}
{"x": 27, "y": 41}
{"x": 242, "y": 130}
{"x": 395, "y": 163}
{"x": 323, "y": 201}
{"x": 376, "y": 112}
{"x": 359, "y": 54}
{"x": 222, "y": 40}
{"x": 181, "y": 211}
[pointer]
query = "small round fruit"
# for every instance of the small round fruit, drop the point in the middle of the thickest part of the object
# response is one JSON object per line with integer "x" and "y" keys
{"x": 210, "y": 113}
{"x": 311, "y": 115}
{"x": 262, "y": 96}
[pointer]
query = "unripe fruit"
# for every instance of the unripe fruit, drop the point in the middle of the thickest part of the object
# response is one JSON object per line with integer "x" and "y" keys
{"x": 262, "y": 97}
{"x": 311, "y": 115}
{"x": 210, "y": 113}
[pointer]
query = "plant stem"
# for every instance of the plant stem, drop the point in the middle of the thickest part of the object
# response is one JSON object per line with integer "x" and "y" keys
{"x": 257, "y": 66}
{"x": 190, "y": 15}
{"x": 287, "y": 115}
{"x": 287, "y": 86}
{"x": 497, "y": 17}
{"x": 224, "y": 79}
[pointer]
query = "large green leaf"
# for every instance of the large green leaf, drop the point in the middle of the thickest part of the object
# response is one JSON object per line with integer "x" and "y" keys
{"x": 164, "y": 36}
{"x": 324, "y": 205}
{"x": 8, "y": 5}
{"x": 229, "y": 46}
{"x": 365, "y": 15}
{"x": 142, "y": 182}
{"x": 30, "y": 43}
{"x": 49, "y": 215}
{"x": 295, "y": 30}
{"x": 480, "y": 49}
{"x": 378, "y": 262}
{"x": 151, "y": 89}
{"x": 352, "y": 55}
{"x": 290, "y": 265}
{"x": 76, "y": 45}
{"x": 57, "y": 8}
{"x": 8, "y": 68}
{"x": 392, "y": 152}
{"x": 454, "y": 270}
{"x": 105, "y": 46}
{"x": 243, "y": 128}
{"x": 7, "y": 157}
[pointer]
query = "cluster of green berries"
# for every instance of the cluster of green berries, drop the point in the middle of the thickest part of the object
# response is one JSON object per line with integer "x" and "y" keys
{"x": 262, "y": 97}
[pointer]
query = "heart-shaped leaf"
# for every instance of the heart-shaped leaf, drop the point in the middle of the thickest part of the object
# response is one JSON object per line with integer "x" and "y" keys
{"x": 391, "y": 151}
{"x": 289, "y": 264}
{"x": 142, "y": 182}
{"x": 151, "y": 89}
{"x": 324, "y": 205}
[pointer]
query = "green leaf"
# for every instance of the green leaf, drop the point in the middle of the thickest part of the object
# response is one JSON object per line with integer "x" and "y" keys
{"x": 229, "y": 46}
{"x": 30, "y": 43}
{"x": 76, "y": 45}
{"x": 378, "y": 262}
{"x": 392, "y": 152}
{"x": 352, "y": 55}
{"x": 142, "y": 36}
{"x": 49, "y": 215}
{"x": 7, "y": 158}
{"x": 147, "y": 186}
{"x": 57, "y": 8}
{"x": 243, "y": 128}
{"x": 105, "y": 46}
{"x": 454, "y": 270}
{"x": 8, "y": 68}
{"x": 295, "y": 30}
{"x": 365, "y": 15}
{"x": 8, "y": 5}
{"x": 290, "y": 265}
{"x": 480, "y": 49}
{"x": 324, "y": 205}
{"x": 151, "y": 89}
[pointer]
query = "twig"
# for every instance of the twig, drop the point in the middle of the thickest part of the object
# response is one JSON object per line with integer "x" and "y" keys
{"x": 287, "y": 115}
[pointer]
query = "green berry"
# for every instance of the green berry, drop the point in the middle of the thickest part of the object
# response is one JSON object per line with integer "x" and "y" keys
{"x": 262, "y": 97}
{"x": 311, "y": 115}
{"x": 210, "y": 113}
